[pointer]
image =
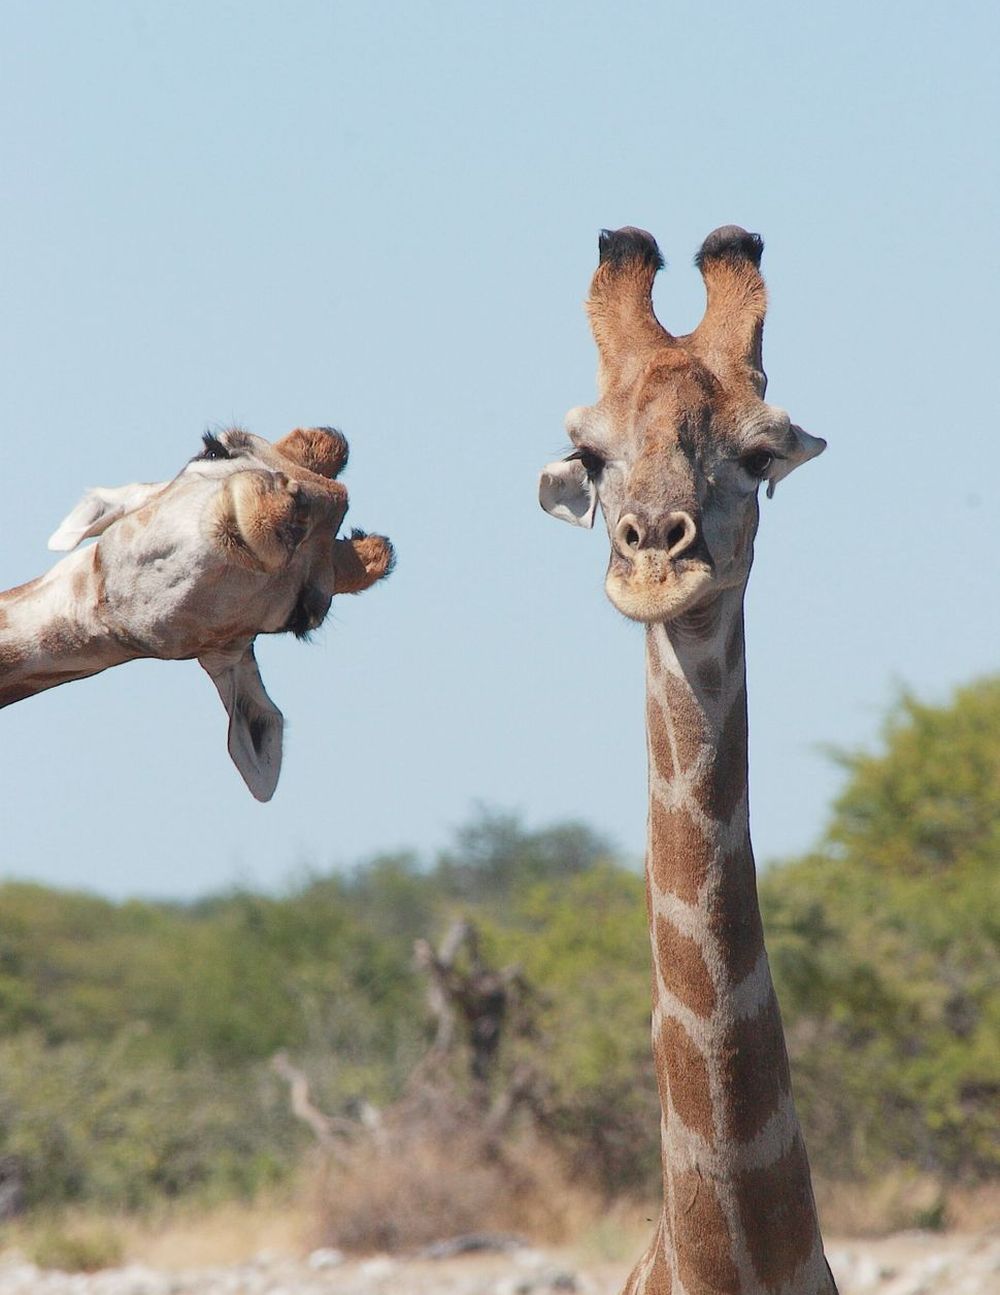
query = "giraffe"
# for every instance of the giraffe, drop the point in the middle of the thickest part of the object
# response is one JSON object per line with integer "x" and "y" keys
{"x": 674, "y": 452}
{"x": 241, "y": 542}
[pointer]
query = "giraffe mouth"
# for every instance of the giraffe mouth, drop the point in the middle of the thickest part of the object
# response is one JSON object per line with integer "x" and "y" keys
{"x": 650, "y": 588}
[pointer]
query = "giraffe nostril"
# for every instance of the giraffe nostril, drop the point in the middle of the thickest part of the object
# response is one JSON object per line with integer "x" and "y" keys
{"x": 676, "y": 534}
{"x": 629, "y": 535}
{"x": 681, "y": 533}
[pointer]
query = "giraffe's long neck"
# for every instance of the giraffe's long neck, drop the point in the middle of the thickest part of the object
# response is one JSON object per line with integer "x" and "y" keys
{"x": 738, "y": 1212}
{"x": 51, "y": 630}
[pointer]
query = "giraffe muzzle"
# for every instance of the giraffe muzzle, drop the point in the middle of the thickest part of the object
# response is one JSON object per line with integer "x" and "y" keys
{"x": 633, "y": 534}
{"x": 657, "y": 572}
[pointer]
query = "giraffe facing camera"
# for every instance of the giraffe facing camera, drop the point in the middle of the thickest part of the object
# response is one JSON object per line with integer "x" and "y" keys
{"x": 243, "y": 541}
{"x": 674, "y": 453}
{"x": 681, "y": 437}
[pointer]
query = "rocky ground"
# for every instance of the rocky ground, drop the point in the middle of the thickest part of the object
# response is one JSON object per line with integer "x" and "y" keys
{"x": 912, "y": 1263}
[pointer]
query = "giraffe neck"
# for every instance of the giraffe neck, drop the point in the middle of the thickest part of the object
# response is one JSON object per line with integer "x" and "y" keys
{"x": 738, "y": 1212}
{"x": 51, "y": 631}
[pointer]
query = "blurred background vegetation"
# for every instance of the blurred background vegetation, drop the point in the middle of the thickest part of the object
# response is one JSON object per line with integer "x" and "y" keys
{"x": 135, "y": 1038}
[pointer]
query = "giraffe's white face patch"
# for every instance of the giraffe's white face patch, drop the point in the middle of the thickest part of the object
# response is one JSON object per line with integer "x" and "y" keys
{"x": 242, "y": 541}
{"x": 218, "y": 554}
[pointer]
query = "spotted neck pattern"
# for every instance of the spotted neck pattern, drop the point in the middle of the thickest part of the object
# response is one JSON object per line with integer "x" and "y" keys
{"x": 738, "y": 1213}
{"x": 51, "y": 632}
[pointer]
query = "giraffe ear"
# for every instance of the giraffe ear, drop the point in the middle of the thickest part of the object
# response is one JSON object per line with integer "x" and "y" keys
{"x": 566, "y": 491}
{"x": 255, "y": 723}
{"x": 806, "y": 447}
{"x": 97, "y": 510}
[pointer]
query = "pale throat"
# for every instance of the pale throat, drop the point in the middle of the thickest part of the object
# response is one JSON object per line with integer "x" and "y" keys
{"x": 696, "y": 723}
{"x": 731, "y": 1140}
{"x": 51, "y": 632}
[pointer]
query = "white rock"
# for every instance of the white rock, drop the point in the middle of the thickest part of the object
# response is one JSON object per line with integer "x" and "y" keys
{"x": 512, "y": 1286}
{"x": 868, "y": 1273}
{"x": 325, "y": 1257}
{"x": 377, "y": 1268}
{"x": 20, "y": 1276}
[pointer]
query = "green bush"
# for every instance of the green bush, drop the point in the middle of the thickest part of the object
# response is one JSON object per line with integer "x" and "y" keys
{"x": 102, "y": 1123}
{"x": 134, "y": 1038}
{"x": 885, "y": 947}
{"x": 78, "y": 1248}
{"x": 583, "y": 942}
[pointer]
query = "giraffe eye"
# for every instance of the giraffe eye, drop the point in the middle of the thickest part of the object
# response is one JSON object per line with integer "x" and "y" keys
{"x": 213, "y": 448}
{"x": 592, "y": 462}
{"x": 758, "y": 463}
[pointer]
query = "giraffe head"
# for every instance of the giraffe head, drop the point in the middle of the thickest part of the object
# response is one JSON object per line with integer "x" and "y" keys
{"x": 242, "y": 541}
{"x": 681, "y": 438}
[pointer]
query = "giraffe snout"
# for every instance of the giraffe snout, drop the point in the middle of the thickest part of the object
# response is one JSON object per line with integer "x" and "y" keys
{"x": 673, "y": 535}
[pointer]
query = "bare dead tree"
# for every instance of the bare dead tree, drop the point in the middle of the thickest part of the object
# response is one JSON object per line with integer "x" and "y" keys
{"x": 11, "y": 1187}
{"x": 439, "y": 966}
{"x": 331, "y": 1132}
{"x": 483, "y": 1002}
{"x": 467, "y": 998}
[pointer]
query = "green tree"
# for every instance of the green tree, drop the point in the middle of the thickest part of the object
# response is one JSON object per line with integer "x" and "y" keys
{"x": 886, "y": 948}
{"x": 583, "y": 946}
{"x": 493, "y": 856}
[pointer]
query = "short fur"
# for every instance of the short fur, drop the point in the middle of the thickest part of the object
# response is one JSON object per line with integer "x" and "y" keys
{"x": 241, "y": 542}
{"x": 674, "y": 451}
{"x": 730, "y": 243}
{"x": 622, "y": 247}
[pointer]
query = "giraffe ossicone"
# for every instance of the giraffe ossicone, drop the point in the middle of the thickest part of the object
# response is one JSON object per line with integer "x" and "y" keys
{"x": 674, "y": 452}
{"x": 243, "y": 541}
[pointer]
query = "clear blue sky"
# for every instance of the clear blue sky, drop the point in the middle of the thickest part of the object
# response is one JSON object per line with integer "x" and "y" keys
{"x": 384, "y": 216}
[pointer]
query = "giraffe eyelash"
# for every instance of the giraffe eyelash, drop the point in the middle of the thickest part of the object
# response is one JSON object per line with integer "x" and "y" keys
{"x": 593, "y": 463}
{"x": 758, "y": 462}
{"x": 213, "y": 448}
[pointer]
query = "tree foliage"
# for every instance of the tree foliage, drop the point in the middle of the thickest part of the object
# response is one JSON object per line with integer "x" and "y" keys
{"x": 885, "y": 948}
{"x": 134, "y": 1037}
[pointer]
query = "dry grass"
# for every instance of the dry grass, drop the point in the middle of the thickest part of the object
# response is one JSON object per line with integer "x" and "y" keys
{"x": 617, "y": 1233}
{"x": 441, "y": 1190}
{"x": 425, "y": 1188}
{"x": 172, "y": 1238}
{"x": 227, "y": 1234}
{"x": 902, "y": 1201}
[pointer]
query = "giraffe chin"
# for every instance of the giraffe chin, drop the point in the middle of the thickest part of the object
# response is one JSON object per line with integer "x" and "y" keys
{"x": 651, "y": 601}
